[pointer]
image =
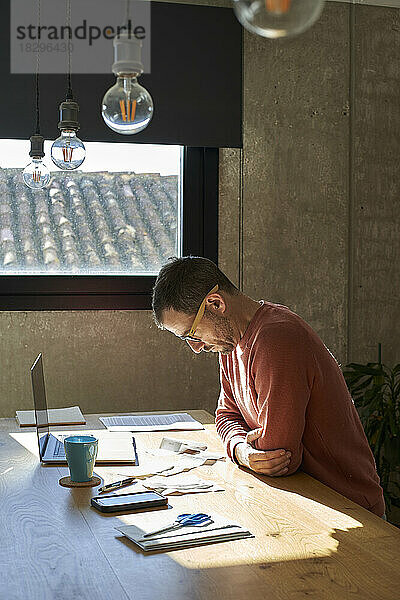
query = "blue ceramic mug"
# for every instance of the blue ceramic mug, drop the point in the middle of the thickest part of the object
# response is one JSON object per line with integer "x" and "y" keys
{"x": 81, "y": 452}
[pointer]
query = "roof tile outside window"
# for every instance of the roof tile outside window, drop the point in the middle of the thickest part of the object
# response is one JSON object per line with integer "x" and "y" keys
{"x": 88, "y": 223}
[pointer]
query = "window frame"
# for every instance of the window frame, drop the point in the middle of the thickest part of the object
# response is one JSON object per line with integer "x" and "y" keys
{"x": 199, "y": 237}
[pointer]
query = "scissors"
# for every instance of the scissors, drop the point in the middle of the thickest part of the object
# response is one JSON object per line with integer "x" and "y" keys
{"x": 185, "y": 520}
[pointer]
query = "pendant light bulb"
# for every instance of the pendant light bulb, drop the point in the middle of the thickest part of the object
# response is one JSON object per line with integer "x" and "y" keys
{"x": 68, "y": 151}
{"x": 36, "y": 175}
{"x": 127, "y": 107}
{"x": 277, "y": 18}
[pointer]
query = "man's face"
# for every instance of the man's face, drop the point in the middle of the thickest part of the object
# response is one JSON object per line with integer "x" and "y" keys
{"x": 215, "y": 331}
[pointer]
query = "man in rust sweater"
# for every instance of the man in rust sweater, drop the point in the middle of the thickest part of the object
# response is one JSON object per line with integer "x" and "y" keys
{"x": 284, "y": 404}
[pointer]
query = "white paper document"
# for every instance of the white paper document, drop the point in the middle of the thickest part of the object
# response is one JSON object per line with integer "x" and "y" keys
{"x": 220, "y": 530}
{"x": 181, "y": 446}
{"x": 182, "y": 421}
{"x": 197, "y": 449}
{"x": 57, "y": 416}
{"x": 178, "y": 485}
{"x": 167, "y": 466}
{"x": 204, "y": 457}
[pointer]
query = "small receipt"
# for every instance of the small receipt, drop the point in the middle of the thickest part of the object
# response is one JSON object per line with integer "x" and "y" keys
{"x": 180, "y": 446}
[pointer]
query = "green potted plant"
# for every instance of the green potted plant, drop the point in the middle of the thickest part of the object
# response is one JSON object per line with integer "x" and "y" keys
{"x": 375, "y": 389}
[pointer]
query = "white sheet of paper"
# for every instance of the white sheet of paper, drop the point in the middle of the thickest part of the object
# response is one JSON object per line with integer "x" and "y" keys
{"x": 180, "y": 446}
{"x": 178, "y": 484}
{"x": 167, "y": 422}
{"x": 203, "y": 457}
{"x": 211, "y": 456}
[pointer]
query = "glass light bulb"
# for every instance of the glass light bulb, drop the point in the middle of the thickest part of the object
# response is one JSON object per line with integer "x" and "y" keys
{"x": 68, "y": 152}
{"x": 127, "y": 107}
{"x": 36, "y": 175}
{"x": 277, "y": 18}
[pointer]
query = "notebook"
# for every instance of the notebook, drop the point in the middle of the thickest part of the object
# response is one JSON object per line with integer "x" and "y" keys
{"x": 57, "y": 416}
{"x": 166, "y": 422}
{"x": 221, "y": 530}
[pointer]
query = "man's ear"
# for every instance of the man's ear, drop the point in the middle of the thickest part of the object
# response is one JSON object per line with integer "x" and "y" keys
{"x": 216, "y": 303}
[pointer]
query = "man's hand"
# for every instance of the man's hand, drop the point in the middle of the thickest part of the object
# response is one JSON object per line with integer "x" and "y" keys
{"x": 268, "y": 462}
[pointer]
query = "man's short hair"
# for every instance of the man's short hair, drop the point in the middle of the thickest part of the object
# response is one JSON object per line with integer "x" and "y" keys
{"x": 183, "y": 283}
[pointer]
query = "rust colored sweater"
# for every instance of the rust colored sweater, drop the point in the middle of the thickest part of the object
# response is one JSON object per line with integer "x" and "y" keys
{"x": 282, "y": 378}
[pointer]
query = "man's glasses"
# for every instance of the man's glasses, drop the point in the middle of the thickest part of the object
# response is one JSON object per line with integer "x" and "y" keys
{"x": 190, "y": 337}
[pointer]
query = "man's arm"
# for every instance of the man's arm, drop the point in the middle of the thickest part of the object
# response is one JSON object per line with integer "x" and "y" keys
{"x": 283, "y": 368}
{"x": 238, "y": 440}
{"x": 231, "y": 426}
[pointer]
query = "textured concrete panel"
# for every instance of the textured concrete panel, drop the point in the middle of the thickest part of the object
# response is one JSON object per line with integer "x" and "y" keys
{"x": 296, "y": 127}
{"x": 229, "y": 212}
{"x": 375, "y": 310}
{"x": 103, "y": 361}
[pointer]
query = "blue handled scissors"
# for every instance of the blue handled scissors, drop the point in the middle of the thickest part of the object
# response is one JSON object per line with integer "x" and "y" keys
{"x": 185, "y": 520}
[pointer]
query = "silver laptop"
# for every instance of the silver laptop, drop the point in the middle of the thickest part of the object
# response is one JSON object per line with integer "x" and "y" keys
{"x": 111, "y": 449}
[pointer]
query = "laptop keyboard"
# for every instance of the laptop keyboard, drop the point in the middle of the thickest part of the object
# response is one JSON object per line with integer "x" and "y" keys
{"x": 59, "y": 449}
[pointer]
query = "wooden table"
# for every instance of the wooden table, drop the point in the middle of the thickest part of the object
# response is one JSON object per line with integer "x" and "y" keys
{"x": 310, "y": 542}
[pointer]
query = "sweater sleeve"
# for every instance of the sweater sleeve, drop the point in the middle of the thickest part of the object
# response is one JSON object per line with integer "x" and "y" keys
{"x": 283, "y": 374}
{"x": 231, "y": 426}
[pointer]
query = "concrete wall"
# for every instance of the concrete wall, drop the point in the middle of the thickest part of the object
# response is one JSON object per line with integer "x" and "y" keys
{"x": 308, "y": 218}
{"x": 321, "y": 227}
{"x": 296, "y": 172}
{"x": 103, "y": 361}
{"x": 374, "y": 307}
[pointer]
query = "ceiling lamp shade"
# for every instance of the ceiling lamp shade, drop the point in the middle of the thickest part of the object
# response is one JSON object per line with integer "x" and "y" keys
{"x": 277, "y": 18}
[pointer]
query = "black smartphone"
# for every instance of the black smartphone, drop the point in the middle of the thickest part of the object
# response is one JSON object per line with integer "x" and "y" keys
{"x": 119, "y": 502}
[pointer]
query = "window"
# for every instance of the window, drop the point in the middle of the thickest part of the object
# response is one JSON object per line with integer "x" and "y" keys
{"x": 97, "y": 237}
{"x": 117, "y": 214}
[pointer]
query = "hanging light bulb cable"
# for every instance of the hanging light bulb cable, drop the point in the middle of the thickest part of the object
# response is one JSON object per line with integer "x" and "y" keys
{"x": 36, "y": 175}
{"x": 127, "y": 13}
{"x": 127, "y": 106}
{"x": 68, "y": 151}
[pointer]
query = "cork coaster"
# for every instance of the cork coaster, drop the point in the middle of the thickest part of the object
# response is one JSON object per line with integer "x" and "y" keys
{"x": 66, "y": 482}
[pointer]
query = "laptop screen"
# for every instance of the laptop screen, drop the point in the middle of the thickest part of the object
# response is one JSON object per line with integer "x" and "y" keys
{"x": 39, "y": 399}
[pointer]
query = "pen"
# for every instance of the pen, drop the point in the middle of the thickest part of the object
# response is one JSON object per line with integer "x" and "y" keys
{"x": 117, "y": 484}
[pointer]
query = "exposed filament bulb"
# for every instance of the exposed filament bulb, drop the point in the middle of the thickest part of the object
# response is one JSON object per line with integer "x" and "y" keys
{"x": 36, "y": 175}
{"x": 277, "y": 18}
{"x": 128, "y": 115}
{"x": 68, "y": 152}
{"x": 278, "y": 7}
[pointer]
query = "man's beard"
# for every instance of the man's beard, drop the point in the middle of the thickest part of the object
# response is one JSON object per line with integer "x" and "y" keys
{"x": 225, "y": 341}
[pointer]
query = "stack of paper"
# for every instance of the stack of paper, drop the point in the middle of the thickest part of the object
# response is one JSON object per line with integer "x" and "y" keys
{"x": 56, "y": 416}
{"x": 220, "y": 530}
{"x": 151, "y": 422}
